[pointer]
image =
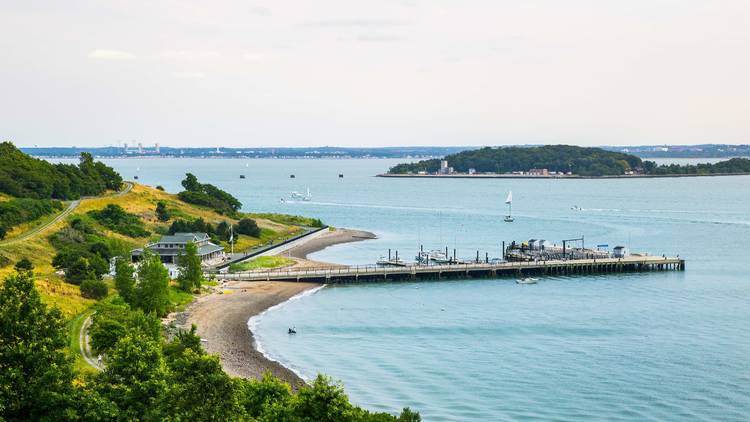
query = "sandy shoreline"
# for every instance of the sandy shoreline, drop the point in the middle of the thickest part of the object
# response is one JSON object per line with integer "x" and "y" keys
{"x": 331, "y": 238}
{"x": 221, "y": 319}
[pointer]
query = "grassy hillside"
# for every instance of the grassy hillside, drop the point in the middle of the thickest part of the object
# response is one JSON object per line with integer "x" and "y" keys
{"x": 141, "y": 201}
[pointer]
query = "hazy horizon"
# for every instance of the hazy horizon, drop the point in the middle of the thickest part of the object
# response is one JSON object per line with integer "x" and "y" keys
{"x": 402, "y": 72}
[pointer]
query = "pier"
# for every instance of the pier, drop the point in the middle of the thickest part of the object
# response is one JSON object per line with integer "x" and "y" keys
{"x": 369, "y": 273}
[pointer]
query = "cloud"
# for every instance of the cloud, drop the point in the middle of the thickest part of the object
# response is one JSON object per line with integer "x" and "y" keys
{"x": 189, "y": 75}
{"x": 261, "y": 11}
{"x": 254, "y": 57}
{"x": 189, "y": 55}
{"x": 356, "y": 23}
{"x": 105, "y": 54}
{"x": 379, "y": 37}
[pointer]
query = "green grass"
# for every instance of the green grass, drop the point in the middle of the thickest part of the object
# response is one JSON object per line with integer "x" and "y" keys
{"x": 261, "y": 262}
{"x": 179, "y": 299}
{"x": 74, "y": 347}
{"x": 295, "y": 220}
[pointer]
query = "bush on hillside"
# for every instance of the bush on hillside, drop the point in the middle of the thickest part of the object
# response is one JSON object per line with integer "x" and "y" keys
{"x": 94, "y": 288}
{"x": 249, "y": 227}
{"x": 115, "y": 218}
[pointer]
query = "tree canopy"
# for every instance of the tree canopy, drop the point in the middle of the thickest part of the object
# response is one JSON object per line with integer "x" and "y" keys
{"x": 208, "y": 195}
{"x": 27, "y": 177}
{"x": 560, "y": 158}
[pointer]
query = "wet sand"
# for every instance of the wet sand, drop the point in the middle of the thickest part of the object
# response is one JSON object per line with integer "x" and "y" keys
{"x": 222, "y": 318}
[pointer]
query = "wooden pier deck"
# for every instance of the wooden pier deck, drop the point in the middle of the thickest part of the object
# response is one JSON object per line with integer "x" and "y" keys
{"x": 473, "y": 270}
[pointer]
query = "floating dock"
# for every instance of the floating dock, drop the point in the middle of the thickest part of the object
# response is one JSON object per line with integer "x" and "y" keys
{"x": 365, "y": 273}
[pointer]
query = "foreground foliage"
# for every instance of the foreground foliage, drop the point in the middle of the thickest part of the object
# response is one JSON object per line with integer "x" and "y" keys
{"x": 146, "y": 377}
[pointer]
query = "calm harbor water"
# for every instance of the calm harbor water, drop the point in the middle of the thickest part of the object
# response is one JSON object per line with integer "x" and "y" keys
{"x": 668, "y": 346}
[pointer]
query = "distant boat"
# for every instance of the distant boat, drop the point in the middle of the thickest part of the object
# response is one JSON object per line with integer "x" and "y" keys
{"x": 242, "y": 176}
{"x": 135, "y": 177}
{"x": 436, "y": 257}
{"x": 291, "y": 176}
{"x": 341, "y": 175}
{"x": 526, "y": 280}
{"x": 383, "y": 261}
{"x": 576, "y": 208}
{"x": 302, "y": 197}
{"x": 509, "y": 200}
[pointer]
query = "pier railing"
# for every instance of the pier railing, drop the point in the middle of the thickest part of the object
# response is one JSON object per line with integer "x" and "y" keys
{"x": 636, "y": 263}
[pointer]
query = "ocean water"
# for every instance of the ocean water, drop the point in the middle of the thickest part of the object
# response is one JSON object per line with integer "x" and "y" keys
{"x": 669, "y": 346}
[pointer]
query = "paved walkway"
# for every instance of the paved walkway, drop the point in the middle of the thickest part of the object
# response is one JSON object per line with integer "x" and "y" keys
{"x": 83, "y": 341}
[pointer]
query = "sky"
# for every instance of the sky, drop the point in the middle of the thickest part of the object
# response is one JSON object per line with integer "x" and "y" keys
{"x": 374, "y": 73}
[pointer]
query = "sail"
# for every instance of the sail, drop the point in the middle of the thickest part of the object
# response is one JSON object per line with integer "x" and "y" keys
{"x": 509, "y": 199}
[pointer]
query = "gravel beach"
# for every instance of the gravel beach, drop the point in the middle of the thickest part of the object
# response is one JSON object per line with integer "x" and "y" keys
{"x": 221, "y": 318}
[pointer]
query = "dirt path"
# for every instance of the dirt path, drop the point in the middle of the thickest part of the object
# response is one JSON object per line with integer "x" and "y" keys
{"x": 72, "y": 206}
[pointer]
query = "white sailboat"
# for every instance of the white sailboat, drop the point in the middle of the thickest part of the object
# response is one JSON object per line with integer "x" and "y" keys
{"x": 509, "y": 201}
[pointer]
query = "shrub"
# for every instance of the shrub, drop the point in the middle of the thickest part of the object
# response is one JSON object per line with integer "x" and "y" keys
{"x": 115, "y": 218}
{"x": 248, "y": 226}
{"x": 24, "y": 265}
{"x": 162, "y": 213}
{"x": 94, "y": 288}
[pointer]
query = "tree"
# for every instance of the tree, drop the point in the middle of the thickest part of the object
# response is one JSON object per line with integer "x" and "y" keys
{"x": 135, "y": 378}
{"x": 190, "y": 272}
{"x": 124, "y": 280}
{"x": 152, "y": 290}
{"x": 105, "y": 333}
{"x": 24, "y": 265}
{"x": 190, "y": 183}
{"x": 323, "y": 401}
{"x": 79, "y": 271}
{"x": 35, "y": 372}
{"x": 222, "y": 230}
{"x": 98, "y": 265}
{"x": 248, "y": 226}
{"x": 94, "y": 288}
{"x": 199, "y": 390}
{"x": 162, "y": 213}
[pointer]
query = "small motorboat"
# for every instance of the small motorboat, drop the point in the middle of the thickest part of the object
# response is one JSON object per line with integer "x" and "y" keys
{"x": 242, "y": 176}
{"x": 527, "y": 280}
{"x": 301, "y": 196}
{"x": 292, "y": 331}
{"x": 291, "y": 176}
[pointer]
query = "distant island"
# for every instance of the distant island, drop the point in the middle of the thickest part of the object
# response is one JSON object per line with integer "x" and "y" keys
{"x": 560, "y": 161}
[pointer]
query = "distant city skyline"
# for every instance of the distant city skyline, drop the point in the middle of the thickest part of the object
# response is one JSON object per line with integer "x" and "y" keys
{"x": 235, "y": 73}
